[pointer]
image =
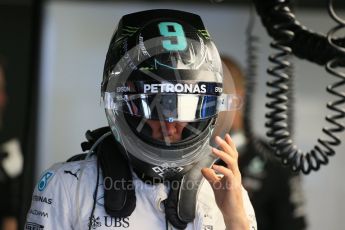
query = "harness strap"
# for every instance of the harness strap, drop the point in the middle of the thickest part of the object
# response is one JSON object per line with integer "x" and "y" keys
{"x": 119, "y": 190}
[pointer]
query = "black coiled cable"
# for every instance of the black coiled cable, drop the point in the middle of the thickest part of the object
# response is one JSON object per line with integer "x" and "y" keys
{"x": 332, "y": 67}
{"x": 251, "y": 76}
{"x": 305, "y": 44}
{"x": 278, "y": 116}
{"x": 279, "y": 105}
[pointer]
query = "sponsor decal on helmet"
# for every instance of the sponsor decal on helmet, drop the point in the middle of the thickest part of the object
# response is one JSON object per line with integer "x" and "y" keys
{"x": 165, "y": 171}
{"x": 174, "y": 88}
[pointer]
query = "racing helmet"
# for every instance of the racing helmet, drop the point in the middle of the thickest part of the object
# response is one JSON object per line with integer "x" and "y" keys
{"x": 162, "y": 90}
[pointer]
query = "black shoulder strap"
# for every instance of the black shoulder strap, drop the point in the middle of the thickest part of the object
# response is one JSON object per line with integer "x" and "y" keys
{"x": 181, "y": 203}
{"x": 119, "y": 192}
{"x": 93, "y": 136}
{"x": 119, "y": 197}
{"x": 77, "y": 157}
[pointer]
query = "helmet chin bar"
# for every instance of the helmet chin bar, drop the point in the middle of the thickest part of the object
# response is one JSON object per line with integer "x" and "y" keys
{"x": 154, "y": 161}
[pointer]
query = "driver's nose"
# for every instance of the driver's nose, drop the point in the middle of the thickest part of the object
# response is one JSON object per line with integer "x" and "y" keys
{"x": 171, "y": 128}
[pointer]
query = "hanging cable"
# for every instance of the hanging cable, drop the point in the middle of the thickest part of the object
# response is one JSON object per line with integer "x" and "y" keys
{"x": 279, "y": 96}
{"x": 333, "y": 67}
{"x": 251, "y": 76}
{"x": 279, "y": 100}
{"x": 305, "y": 44}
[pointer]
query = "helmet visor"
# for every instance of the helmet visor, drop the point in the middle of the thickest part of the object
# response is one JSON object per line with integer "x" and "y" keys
{"x": 171, "y": 107}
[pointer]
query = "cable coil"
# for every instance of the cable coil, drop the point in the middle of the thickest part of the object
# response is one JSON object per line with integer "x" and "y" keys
{"x": 278, "y": 117}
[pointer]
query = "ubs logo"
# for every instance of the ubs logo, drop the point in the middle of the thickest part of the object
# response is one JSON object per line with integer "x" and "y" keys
{"x": 116, "y": 222}
{"x": 33, "y": 226}
{"x": 94, "y": 222}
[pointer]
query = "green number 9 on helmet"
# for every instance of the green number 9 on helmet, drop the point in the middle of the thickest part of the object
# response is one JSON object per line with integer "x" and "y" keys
{"x": 163, "y": 90}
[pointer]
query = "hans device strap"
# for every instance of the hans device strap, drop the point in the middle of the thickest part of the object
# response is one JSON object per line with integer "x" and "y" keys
{"x": 117, "y": 202}
{"x": 180, "y": 205}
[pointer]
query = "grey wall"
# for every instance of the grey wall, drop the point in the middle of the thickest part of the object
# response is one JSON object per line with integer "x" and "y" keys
{"x": 75, "y": 41}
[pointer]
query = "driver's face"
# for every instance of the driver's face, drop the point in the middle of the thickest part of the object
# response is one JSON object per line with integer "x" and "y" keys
{"x": 172, "y": 130}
